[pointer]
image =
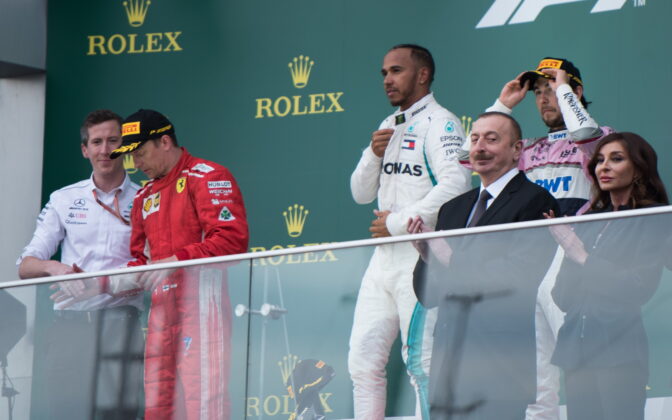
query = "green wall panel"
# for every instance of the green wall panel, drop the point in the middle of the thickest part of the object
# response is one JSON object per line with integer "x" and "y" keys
{"x": 227, "y": 57}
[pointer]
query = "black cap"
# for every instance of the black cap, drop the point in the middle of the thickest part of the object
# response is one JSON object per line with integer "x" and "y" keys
{"x": 552, "y": 63}
{"x": 137, "y": 128}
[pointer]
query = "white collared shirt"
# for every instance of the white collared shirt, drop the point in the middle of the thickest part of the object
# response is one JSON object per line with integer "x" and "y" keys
{"x": 494, "y": 189}
{"x": 89, "y": 236}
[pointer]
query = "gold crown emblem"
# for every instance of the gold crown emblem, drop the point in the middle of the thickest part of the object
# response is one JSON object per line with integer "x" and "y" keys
{"x": 129, "y": 164}
{"x": 295, "y": 218}
{"x": 466, "y": 125}
{"x": 287, "y": 365}
{"x": 300, "y": 69}
{"x": 136, "y": 10}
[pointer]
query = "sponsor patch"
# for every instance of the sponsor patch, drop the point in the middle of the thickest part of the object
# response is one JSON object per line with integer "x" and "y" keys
{"x": 80, "y": 202}
{"x": 187, "y": 344}
{"x": 130, "y": 128}
{"x": 225, "y": 215}
{"x": 409, "y": 144}
{"x": 151, "y": 204}
{"x": 202, "y": 167}
{"x": 450, "y": 127}
{"x": 161, "y": 130}
{"x": 219, "y": 184}
{"x": 167, "y": 287}
{"x": 549, "y": 64}
{"x": 402, "y": 168}
{"x": 558, "y": 135}
{"x": 181, "y": 183}
{"x": 399, "y": 119}
{"x": 419, "y": 110}
{"x": 218, "y": 192}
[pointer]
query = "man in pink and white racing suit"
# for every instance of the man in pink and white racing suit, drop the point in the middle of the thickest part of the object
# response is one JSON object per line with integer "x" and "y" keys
{"x": 557, "y": 162}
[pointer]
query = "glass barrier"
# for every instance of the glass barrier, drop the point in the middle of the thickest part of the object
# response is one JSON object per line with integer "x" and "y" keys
{"x": 517, "y": 313}
{"x": 573, "y": 315}
{"x": 92, "y": 341}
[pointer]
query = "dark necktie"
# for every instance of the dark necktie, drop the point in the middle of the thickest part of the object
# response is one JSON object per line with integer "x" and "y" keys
{"x": 480, "y": 207}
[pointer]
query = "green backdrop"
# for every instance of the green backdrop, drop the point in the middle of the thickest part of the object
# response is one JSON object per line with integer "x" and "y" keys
{"x": 219, "y": 69}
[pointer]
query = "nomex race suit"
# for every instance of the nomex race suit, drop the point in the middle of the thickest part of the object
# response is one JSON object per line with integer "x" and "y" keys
{"x": 195, "y": 211}
{"x": 558, "y": 163}
{"x": 418, "y": 173}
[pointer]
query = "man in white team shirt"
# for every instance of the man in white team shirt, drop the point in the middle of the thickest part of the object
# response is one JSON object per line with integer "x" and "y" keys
{"x": 89, "y": 221}
{"x": 557, "y": 162}
{"x": 411, "y": 166}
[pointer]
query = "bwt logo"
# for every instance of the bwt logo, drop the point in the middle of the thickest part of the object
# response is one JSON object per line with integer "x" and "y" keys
{"x": 507, "y": 11}
{"x": 552, "y": 185}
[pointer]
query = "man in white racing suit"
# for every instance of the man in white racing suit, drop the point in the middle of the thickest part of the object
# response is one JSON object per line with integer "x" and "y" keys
{"x": 557, "y": 162}
{"x": 412, "y": 167}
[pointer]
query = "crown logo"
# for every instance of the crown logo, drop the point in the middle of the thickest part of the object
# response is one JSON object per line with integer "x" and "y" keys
{"x": 129, "y": 164}
{"x": 136, "y": 10}
{"x": 295, "y": 218}
{"x": 466, "y": 125}
{"x": 300, "y": 69}
{"x": 287, "y": 365}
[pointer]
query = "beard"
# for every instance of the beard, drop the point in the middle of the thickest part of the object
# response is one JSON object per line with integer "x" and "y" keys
{"x": 554, "y": 123}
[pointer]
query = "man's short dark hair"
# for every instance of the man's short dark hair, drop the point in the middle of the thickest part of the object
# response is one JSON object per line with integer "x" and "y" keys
{"x": 421, "y": 56}
{"x": 515, "y": 127}
{"x": 96, "y": 117}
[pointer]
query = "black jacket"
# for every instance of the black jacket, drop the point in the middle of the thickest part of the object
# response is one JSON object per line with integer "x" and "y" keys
{"x": 505, "y": 269}
{"x": 603, "y": 298}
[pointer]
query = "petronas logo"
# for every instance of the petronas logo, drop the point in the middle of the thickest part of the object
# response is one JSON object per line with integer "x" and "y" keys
{"x": 136, "y": 10}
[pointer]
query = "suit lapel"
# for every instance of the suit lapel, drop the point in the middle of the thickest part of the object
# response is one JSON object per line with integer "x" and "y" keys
{"x": 469, "y": 202}
{"x": 502, "y": 199}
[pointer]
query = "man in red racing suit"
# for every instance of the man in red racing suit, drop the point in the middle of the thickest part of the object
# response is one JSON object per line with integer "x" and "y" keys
{"x": 191, "y": 208}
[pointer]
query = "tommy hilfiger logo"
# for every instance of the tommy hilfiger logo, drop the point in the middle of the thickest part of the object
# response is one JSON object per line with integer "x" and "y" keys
{"x": 409, "y": 144}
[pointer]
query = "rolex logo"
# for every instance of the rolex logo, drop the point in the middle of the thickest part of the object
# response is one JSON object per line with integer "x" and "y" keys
{"x": 295, "y": 105}
{"x": 136, "y": 10}
{"x": 466, "y": 125}
{"x": 295, "y": 218}
{"x": 134, "y": 43}
{"x": 287, "y": 365}
{"x": 300, "y": 70}
{"x": 129, "y": 164}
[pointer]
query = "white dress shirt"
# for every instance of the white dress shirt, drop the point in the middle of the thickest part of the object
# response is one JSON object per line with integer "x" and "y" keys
{"x": 494, "y": 189}
{"x": 89, "y": 236}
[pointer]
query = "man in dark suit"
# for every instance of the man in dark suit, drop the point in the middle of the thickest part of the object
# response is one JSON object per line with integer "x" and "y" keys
{"x": 483, "y": 360}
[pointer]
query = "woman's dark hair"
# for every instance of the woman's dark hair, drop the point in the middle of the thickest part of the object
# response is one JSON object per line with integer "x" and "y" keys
{"x": 648, "y": 188}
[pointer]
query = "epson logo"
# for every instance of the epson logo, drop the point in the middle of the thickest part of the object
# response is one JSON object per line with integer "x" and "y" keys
{"x": 508, "y": 11}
